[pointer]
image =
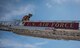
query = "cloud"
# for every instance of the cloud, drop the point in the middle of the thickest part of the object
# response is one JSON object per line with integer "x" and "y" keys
{"x": 13, "y": 44}
{"x": 22, "y": 10}
{"x": 51, "y": 3}
{"x": 9, "y": 9}
{"x": 48, "y": 5}
{"x": 59, "y": 1}
{"x": 63, "y": 1}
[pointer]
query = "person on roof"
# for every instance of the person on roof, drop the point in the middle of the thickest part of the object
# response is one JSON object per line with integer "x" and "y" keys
{"x": 27, "y": 17}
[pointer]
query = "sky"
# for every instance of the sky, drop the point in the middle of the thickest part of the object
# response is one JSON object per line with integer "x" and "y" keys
{"x": 41, "y": 10}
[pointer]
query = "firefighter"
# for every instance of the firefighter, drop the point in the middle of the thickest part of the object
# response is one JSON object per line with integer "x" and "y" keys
{"x": 26, "y": 18}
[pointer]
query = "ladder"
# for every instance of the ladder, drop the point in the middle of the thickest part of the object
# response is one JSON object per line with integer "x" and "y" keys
{"x": 55, "y": 34}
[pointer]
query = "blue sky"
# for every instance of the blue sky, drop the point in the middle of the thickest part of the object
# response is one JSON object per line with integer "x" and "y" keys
{"x": 41, "y": 10}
